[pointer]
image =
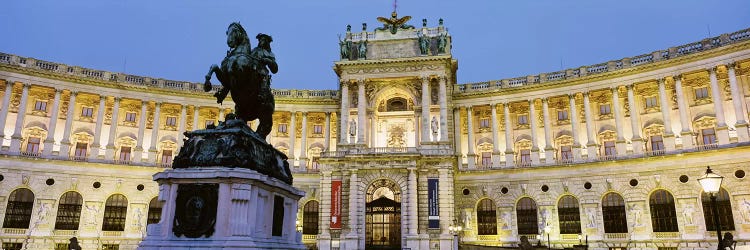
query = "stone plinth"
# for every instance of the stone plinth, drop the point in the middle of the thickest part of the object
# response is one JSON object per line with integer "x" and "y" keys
{"x": 224, "y": 208}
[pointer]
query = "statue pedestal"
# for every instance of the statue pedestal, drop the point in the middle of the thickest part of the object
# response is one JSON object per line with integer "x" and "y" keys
{"x": 224, "y": 208}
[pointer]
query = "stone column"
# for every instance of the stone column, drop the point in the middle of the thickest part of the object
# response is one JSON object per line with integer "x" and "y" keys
{"x": 425, "y": 128}
{"x": 549, "y": 149}
{"x": 152, "y": 150}
{"x": 110, "y": 153}
{"x": 327, "y": 132}
{"x": 471, "y": 157}
{"x": 620, "y": 143}
{"x": 637, "y": 139}
{"x": 591, "y": 145}
{"x": 361, "y": 113}
{"x": 324, "y": 239}
{"x": 138, "y": 152}
{"x": 303, "y": 143}
{"x": 445, "y": 198}
{"x": 509, "y": 154}
{"x": 686, "y": 133}
{"x": 442, "y": 96}
{"x": 457, "y": 138}
{"x": 741, "y": 124}
{"x": 722, "y": 132}
{"x": 665, "y": 112}
{"x": 50, "y": 141}
{"x": 181, "y": 125}
{"x": 496, "y": 154}
{"x": 15, "y": 142}
{"x": 344, "y": 118}
{"x": 353, "y": 204}
{"x": 412, "y": 185}
{"x": 196, "y": 117}
{"x": 65, "y": 143}
{"x": 5, "y": 111}
{"x": 292, "y": 138}
{"x": 416, "y": 128}
{"x": 574, "y": 128}
{"x": 98, "y": 130}
{"x": 533, "y": 127}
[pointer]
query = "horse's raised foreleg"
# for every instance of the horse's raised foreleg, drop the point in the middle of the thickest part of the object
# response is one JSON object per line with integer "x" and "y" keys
{"x": 211, "y": 70}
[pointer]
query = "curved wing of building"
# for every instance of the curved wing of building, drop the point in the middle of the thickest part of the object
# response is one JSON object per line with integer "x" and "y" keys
{"x": 401, "y": 154}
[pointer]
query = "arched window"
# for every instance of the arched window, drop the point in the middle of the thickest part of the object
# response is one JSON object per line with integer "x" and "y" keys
{"x": 154, "y": 211}
{"x": 663, "y": 215}
{"x": 725, "y": 211}
{"x": 613, "y": 209}
{"x": 115, "y": 210}
{"x": 69, "y": 211}
{"x": 310, "y": 218}
{"x": 18, "y": 212}
{"x": 526, "y": 214}
{"x": 486, "y": 217}
{"x": 569, "y": 215}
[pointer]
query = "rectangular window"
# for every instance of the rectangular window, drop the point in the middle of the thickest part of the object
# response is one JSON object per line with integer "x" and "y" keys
{"x": 701, "y": 93}
{"x": 166, "y": 157}
{"x": 484, "y": 123}
{"x": 562, "y": 115}
{"x": 124, "y": 154}
{"x": 87, "y": 112}
{"x": 171, "y": 121}
{"x": 609, "y": 148}
{"x": 486, "y": 159}
{"x": 604, "y": 109}
{"x": 566, "y": 153}
{"x": 657, "y": 143}
{"x": 110, "y": 247}
{"x": 709, "y": 136}
{"x": 80, "y": 150}
{"x": 282, "y": 128}
{"x": 33, "y": 145}
{"x": 209, "y": 123}
{"x": 315, "y": 162}
{"x": 523, "y": 119}
{"x": 317, "y": 129}
{"x": 651, "y": 102}
{"x": 526, "y": 156}
{"x": 40, "y": 106}
{"x": 130, "y": 117}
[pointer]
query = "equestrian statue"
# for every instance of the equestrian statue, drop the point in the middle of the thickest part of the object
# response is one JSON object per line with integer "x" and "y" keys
{"x": 246, "y": 75}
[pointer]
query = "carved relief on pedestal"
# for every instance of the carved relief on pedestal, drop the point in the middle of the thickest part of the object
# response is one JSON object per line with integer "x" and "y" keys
{"x": 396, "y": 135}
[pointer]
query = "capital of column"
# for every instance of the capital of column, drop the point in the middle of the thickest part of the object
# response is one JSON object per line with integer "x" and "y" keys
{"x": 74, "y": 92}
{"x": 158, "y": 105}
{"x": 712, "y": 70}
{"x": 545, "y": 99}
{"x": 662, "y": 80}
{"x": 586, "y": 93}
{"x": 117, "y": 98}
{"x": 58, "y": 91}
{"x": 629, "y": 87}
{"x": 26, "y": 85}
{"x": 677, "y": 77}
{"x": 732, "y": 65}
{"x": 424, "y": 79}
{"x": 572, "y": 96}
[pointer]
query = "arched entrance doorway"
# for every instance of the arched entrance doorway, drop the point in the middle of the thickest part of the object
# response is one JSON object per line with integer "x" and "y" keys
{"x": 383, "y": 215}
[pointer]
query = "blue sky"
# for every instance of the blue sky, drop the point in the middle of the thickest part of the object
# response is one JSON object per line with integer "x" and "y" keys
{"x": 491, "y": 39}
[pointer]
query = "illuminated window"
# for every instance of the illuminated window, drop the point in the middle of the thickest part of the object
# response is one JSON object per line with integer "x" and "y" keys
{"x": 527, "y": 218}
{"x": 40, "y": 106}
{"x": 87, "y": 112}
{"x": 663, "y": 215}
{"x": 154, "y": 211}
{"x": 318, "y": 129}
{"x": 80, "y": 150}
{"x": 709, "y": 136}
{"x": 566, "y": 153}
{"x": 282, "y": 128}
{"x": 604, "y": 109}
{"x": 310, "y": 217}
{"x": 657, "y": 143}
{"x": 484, "y": 122}
{"x": 130, "y": 117}
{"x": 651, "y": 102}
{"x": 171, "y": 121}
{"x": 18, "y": 211}
{"x": 569, "y": 215}
{"x": 526, "y": 156}
{"x": 613, "y": 212}
{"x": 486, "y": 217}
{"x": 166, "y": 157}
{"x": 486, "y": 159}
{"x": 69, "y": 211}
{"x": 562, "y": 115}
{"x": 33, "y": 145}
{"x": 725, "y": 211}
{"x": 124, "y": 154}
{"x": 115, "y": 210}
{"x": 701, "y": 93}
{"x": 609, "y": 148}
{"x": 523, "y": 119}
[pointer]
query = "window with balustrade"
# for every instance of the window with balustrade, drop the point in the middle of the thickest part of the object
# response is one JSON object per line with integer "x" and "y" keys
{"x": 80, "y": 151}
{"x": 566, "y": 153}
{"x": 282, "y": 128}
{"x": 486, "y": 159}
{"x": 525, "y": 156}
{"x": 310, "y": 218}
{"x": 32, "y": 145}
{"x": 609, "y": 148}
{"x": 562, "y": 115}
{"x": 69, "y": 211}
{"x": 656, "y": 143}
{"x": 708, "y": 136}
{"x": 124, "y": 154}
{"x": 40, "y": 106}
{"x": 19, "y": 209}
{"x": 526, "y": 213}
{"x": 569, "y": 215}
{"x": 486, "y": 217}
{"x": 663, "y": 214}
{"x": 317, "y": 129}
{"x": 613, "y": 214}
{"x": 484, "y": 123}
{"x": 701, "y": 93}
{"x": 115, "y": 211}
{"x": 651, "y": 102}
{"x": 605, "y": 109}
{"x": 130, "y": 116}
{"x": 154, "y": 211}
{"x": 171, "y": 121}
{"x": 523, "y": 120}
{"x": 87, "y": 112}
{"x": 166, "y": 157}
{"x": 724, "y": 207}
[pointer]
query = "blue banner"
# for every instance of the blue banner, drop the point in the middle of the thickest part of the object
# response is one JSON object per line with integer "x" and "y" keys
{"x": 432, "y": 204}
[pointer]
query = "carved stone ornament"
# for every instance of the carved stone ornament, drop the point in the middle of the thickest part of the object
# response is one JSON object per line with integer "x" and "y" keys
{"x": 195, "y": 210}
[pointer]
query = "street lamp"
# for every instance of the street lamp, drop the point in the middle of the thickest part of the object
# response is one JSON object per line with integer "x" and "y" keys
{"x": 711, "y": 184}
{"x": 455, "y": 229}
{"x": 299, "y": 226}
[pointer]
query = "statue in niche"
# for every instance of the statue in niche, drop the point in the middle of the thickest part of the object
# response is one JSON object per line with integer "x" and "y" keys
{"x": 467, "y": 219}
{"x": 591, "y": 215}
{"x": 434, "y": 125}
{"x": 345, "y": 47}
{"x": 424, "y": 44}
{"x": 363, "y": 49}
{"x": 746, "y": 210}
{"x": 637, "y": 212}
{"x": 687, "y": 213}
{"x": 353, "y": 127}
{"x": 506, "y": 220}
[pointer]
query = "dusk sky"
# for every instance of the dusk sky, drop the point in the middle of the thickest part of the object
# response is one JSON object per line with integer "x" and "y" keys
{"x": 492, "y": 39}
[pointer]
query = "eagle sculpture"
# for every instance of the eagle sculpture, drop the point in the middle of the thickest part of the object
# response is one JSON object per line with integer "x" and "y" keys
{"x": 394, "y": 23}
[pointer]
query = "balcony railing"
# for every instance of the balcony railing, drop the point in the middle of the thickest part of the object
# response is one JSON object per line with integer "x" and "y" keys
{"x": 705, "y": 147}
{"x": 31, "y": 154}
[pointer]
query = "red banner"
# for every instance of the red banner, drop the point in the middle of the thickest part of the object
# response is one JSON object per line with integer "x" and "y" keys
{"x": 335, "y": 204}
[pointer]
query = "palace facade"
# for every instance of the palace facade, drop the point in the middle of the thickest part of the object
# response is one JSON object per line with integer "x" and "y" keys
{"x": 606, "y": 153}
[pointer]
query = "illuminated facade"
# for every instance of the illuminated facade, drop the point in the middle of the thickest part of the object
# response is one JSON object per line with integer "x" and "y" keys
{"x": 402, "y": 151}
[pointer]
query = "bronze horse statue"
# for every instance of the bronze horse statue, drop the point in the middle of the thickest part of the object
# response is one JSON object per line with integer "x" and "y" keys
{"x": 244, "y": 73}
